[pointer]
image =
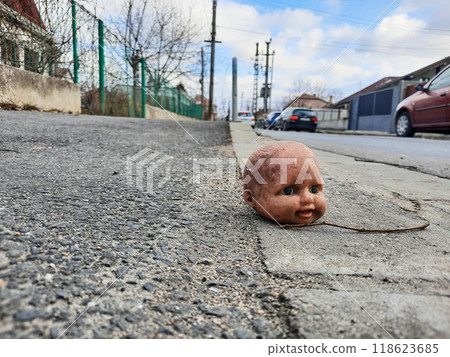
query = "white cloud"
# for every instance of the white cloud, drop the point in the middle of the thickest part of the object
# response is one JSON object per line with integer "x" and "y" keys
{"x": 414, "y": 34}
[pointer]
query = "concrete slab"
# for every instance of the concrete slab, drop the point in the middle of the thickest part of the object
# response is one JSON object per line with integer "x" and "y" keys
{"x": 338, "y": 314}
{"x": 329, "y": 250}
{"x": 401, "y": 279}
{"x": 245, "y": 141}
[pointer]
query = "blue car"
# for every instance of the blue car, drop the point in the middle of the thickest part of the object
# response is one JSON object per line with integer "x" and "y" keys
{"x": 268, "y": 123}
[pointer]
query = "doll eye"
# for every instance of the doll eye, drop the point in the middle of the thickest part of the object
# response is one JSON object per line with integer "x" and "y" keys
{"x": 314, "y": 189}
{"x": 288, "y": 191}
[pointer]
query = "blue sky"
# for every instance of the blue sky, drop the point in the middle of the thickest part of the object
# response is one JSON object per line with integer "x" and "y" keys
{"x": 310, "y": 40}
{"x": 309, "y": 36}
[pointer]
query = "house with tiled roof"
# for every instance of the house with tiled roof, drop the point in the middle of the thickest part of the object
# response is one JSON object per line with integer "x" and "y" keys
{"x": 308, "y": 101}
{"x": 24, "y": 41}
{"x": 373, "y": 107}
{"x": 28, "y": 62}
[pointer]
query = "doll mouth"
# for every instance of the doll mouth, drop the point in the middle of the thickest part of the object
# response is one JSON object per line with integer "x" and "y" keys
{"x": 305, "y": 213}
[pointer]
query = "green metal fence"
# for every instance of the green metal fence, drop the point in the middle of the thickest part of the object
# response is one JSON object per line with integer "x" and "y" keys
{"x": 62, "y": 38}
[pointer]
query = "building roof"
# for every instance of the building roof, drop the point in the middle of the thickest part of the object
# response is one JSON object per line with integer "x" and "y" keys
{"x": 305, "y": 96}
{"x": 382, "y": 83}
{"x": 390, "y": 81}
{"x": 26, "y": 8}
{"x": 441, "y": 63}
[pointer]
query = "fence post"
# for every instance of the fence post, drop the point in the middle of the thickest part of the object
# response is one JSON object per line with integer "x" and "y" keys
{"x": 165, "y": 94}
{"x": 75, "y": 42}
{"x": 101, "y": 62}
{"x": 156, "y": 88}
{"x": 128, "y": 87}
{"x": 143, "y": 86}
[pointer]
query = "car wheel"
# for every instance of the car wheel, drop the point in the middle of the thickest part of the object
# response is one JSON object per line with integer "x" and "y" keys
{"x": 403, "y": 125}
{"x": 312, "y": 130}
{"x": 285, "y": 126}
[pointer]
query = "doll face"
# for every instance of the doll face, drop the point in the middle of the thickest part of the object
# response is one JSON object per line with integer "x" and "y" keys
{"x": 293, "y": 193}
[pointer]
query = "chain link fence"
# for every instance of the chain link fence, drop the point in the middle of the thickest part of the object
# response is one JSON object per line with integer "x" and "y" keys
{"x": 63, "y": 38}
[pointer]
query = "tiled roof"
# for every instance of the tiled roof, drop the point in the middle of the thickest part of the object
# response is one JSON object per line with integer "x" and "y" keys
{"x": 26, "y": 8}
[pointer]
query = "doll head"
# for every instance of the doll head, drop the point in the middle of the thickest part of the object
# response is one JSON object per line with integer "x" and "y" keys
{"x": 282, "y": 182}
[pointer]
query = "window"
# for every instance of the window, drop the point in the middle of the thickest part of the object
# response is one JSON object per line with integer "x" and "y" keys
{"x": 303, "y": 113}
{"x": 10, "y": 54}
{"x": 442, "y": 81}
{"x": 383, "y": 102}
{"x": 31, "y": 60}
{"x": 49, "y": 60}
{"x": 365, "y": 107}
{"x": 245, "y": 114}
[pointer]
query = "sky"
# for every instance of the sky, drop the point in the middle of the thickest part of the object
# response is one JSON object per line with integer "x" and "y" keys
{"x": 340, "y": 45}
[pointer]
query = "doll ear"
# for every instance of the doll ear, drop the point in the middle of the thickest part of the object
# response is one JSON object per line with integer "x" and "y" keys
{"x": 249, "y": 198}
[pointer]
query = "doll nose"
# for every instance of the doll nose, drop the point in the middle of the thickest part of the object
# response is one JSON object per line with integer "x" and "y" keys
{"x": 306, "y": 197}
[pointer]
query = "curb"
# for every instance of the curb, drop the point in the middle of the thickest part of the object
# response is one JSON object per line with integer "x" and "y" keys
{"x": 432, "y": 136}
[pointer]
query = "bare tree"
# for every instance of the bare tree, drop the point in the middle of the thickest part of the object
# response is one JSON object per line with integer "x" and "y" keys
{"x": 317, "y": 88}
{"x": 56, "y": 19}
{"x": 162, "y": 33}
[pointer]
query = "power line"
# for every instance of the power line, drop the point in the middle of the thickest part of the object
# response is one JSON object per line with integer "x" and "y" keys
{"x": 338, "y": 44}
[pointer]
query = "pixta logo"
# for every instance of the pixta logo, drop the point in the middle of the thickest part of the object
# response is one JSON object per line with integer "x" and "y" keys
{"x": 146, "y": 167}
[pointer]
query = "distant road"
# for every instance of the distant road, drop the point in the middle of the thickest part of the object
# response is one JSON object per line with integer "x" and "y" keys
{"x": 427, "y": 155}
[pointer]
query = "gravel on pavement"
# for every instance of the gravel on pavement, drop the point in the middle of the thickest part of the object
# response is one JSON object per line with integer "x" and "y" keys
{"x": 83, "y": 254}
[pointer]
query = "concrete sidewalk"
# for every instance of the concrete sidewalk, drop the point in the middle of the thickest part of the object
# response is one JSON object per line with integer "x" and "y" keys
{"x": 364, "y": 285}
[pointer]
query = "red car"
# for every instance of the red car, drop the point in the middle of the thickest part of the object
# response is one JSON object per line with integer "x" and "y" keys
{"x": 428, "y": 109}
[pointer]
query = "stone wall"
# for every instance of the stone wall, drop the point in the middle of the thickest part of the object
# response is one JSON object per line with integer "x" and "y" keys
{"x": 336, "y": 119}
{"x": 21, "y": 87}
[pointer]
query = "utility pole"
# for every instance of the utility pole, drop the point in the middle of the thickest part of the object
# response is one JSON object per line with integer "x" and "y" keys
{"x": 211, "y": 74}
{"x": 201, "y": 82}
{"x": 234, "y": 94}
{"x": 255, "y": 81}
{"x": 266, "y": 84}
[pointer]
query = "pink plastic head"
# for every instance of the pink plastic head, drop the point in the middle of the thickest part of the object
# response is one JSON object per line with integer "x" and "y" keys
{"x": 282, "y": 182}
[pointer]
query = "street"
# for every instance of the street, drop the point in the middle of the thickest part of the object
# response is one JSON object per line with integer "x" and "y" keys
{"x": 83, "y": 254}
{"x": 424, "y": 155}
{"x": 87, "y": 250}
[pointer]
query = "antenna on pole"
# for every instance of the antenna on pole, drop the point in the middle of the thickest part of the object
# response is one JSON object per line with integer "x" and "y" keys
{"x": 266, "y": 84}
{"x": 255, "y": 81}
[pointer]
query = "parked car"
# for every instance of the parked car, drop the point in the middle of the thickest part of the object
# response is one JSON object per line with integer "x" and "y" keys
{"x": 246, "y": 117}
{"x": 428, "y": 109}
{"x": 296, "y": 118}
{"x": 268, "y": 122}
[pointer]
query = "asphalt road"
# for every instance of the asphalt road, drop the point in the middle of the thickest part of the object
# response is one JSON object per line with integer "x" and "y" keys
{"x": 423, "y": 155}
{"x": 84, "y": 254}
